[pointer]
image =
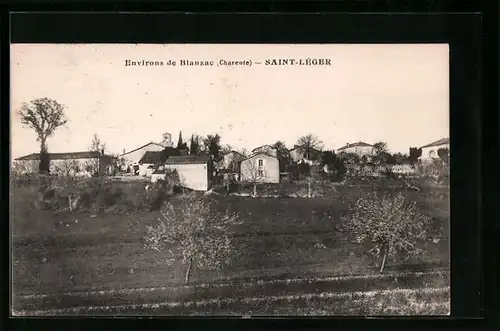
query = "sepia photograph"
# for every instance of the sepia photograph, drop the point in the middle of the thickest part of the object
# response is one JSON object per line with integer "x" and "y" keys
{"x": 238, "y": 180}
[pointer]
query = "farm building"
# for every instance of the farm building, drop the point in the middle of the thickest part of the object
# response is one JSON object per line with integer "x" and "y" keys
{"x": 267, "y": 149}
{"x": 133, "y": 157}
{"x": 430, "y": 151}
{"x": 260, "y": 167}
{"x": 231, "y": 161}
{"x": 360, "y": 148}
{"x": 78, "y": 163}
{"x": 193, "y": 170}
{"x": 300, "y": 154}
{"x": 149, "y": 162}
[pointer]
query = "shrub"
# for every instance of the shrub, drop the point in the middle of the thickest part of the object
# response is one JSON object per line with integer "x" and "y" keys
{"x": 389, "y": 224}
{"x": 194, "y": 233}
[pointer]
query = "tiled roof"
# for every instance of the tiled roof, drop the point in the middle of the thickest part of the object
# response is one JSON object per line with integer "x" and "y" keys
{"x": 269, "y": 146}
{"x": 358, "y": 144}
{"x": 188, "y": 159}
{"x": 258, "y": 153}
{"x": 440, "y": 142}
{"x": 151, "y": 157}
{"x": 63, "y": 156}
{"x": 138, "y": 148}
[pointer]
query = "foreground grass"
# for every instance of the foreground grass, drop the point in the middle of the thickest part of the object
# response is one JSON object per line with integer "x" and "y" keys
{"x": 235, "y": 290}
{"x": 278, "y": 238}
{"x": 427, "y": 301}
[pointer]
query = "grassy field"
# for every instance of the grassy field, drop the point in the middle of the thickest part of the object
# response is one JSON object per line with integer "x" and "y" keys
{"x": 279, "y": 239}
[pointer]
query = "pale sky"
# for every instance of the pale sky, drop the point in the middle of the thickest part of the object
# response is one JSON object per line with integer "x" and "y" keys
{"x": 393, "y": 93}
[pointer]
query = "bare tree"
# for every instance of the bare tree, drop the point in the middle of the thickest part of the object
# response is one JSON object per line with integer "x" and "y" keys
{"x": 96, "y": 146}
{"x": 44, "y": 116}
{"x": 309, "y": 142}
{"x": 194, "y": 233}
{"x": 251, "y": 172}
{"x": 311, "y": 178}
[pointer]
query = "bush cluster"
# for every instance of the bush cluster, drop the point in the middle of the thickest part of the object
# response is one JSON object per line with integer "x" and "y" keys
{"x": 92, "y": 195}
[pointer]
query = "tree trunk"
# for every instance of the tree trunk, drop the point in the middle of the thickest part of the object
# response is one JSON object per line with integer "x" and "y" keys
{"x": 308, "y": 190}
{"x": 188, "y": 271}
{"x": 70, "y": 203}
{"x": 254, "y": 190}
{"x": 383, "y": 262}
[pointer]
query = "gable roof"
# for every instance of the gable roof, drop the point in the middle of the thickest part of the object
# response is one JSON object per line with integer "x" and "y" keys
{"x": 358, "y": 144}
{"x": 442, "y": 141}
{"x": 188, "y": 159}
{"x": 151, "y": 157}
{"x": 138, "y": 148}
{"x": 63, "y": 156}
{"x": 256, "y": 154}
{"x": 234, "y": 152}
{"x": 270, "y": 146}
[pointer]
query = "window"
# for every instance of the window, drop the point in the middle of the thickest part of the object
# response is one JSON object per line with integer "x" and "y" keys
{"x": 261, "y": 173}
{"x": 432, "y": 154}
{"x": 261, "y": 163}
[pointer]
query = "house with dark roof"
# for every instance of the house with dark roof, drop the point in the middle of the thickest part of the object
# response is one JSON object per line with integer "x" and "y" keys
{"x": 360, "y": 148}
{"x": 431, "y": 151}
{"x": 81, "y": 163}
{"x": 194, "y": 171}
{"x": 231, "y": 161}
{"x": 301, "y": 154}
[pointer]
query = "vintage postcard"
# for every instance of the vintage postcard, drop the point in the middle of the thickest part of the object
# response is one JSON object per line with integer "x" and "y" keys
{"x": 230, "y": 180}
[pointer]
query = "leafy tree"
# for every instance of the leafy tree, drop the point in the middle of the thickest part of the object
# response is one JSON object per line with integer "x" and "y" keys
{"x": 380, "y": 147}
{"x": 194, "y": 233}
{"x": 328, "y": 158}
{"x": 307, "y": 143}
{"x": 415, "y": 154}
{"x": 444, "y": 155}
{"x": 213, "y": 146}
{"x": 390, "y": 224}
{"x": 349, "y": 158}
{"x": 399, "y": 158}
{"x": 381, "y": 154}
{"x": 334, "y": 163}
{"x": 44, "y": 116}
{"x": 283, "y": 155}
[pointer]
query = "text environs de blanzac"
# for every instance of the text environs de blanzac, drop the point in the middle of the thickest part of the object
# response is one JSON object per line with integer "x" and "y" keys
{"x": 230, "y": 63}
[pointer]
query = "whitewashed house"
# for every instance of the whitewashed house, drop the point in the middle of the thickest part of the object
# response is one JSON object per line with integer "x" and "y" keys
{"x": 267, "y": 149}
{"x": 149, "y": 162}
{"x": 430, "y": 151}
{"x": 360, "y": 148}
{"x": 193, "y": 171}
{"x": 133, "y": 157}
{"x": 260, "y": 167}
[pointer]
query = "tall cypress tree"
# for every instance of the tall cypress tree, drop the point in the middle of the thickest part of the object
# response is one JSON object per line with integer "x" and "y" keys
{"x": 180, "y": 144}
